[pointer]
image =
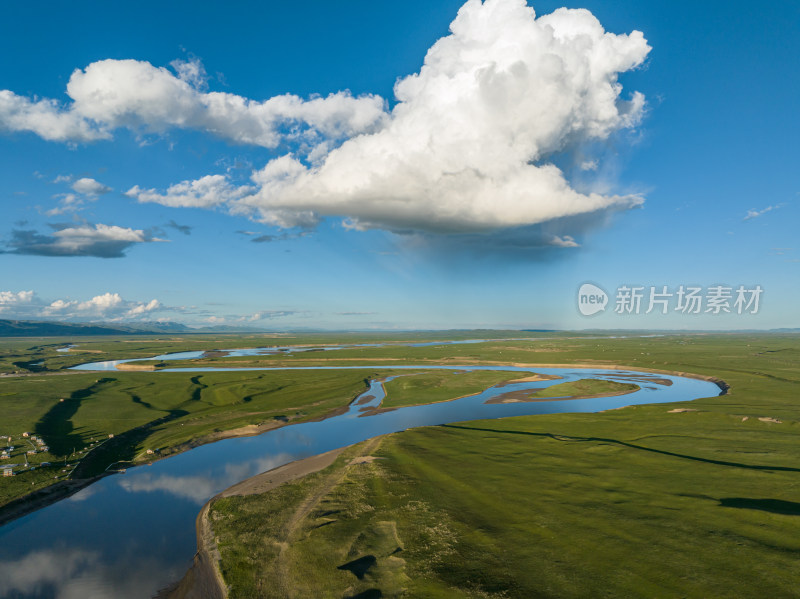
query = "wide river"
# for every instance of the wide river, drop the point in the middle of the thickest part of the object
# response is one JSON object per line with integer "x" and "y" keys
{"x": 133, "y": 533}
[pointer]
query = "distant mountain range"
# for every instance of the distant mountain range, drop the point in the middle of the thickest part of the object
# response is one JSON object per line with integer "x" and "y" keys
{"x": 33, "y": 328}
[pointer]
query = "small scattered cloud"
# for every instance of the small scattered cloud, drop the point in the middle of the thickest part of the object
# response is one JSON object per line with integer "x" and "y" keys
{"x": 264, "y": 239}
{"x": 104, "y": 307}
{"x": 267, "y": 315}
{"x": 751, "y": 214}
{"x": 185, "y": 229}
{"x": 113, "y": 307}
{"x": 108, "y": 306}
{"x": 270, "y": 237}
{"x": 564, "y": 241}
{"x": 237, "y": 163}
{"x": 90, "y": 187}
{"x": 285, "y": 236}
{"x": 235, "y": 319}
{"x": 67, "y": 202}
{"x": 192, "y": 72}
{"x": 207, "y": 192}
{"x": 18, "y": 304}
{"x": 85, "y": 189}
{"x": 97, "y": 240}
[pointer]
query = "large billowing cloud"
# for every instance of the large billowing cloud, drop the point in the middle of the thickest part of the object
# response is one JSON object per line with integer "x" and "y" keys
{"x": 110, "y": 94}
{"x": 467, "y": 146}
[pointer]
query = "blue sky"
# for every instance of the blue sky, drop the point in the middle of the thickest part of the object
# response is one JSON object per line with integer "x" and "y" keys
{"x": 482, "y": 191}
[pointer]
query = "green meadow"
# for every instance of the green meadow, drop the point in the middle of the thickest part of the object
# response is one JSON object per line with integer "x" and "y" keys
{"x": 76, "y": 413}
{"x": 699, "y": 499}
{"x": 429, "y": 387}
{"x": 584, "y": 388}
{"x": 92, "y": 422}
{"x": 646, "y": 501}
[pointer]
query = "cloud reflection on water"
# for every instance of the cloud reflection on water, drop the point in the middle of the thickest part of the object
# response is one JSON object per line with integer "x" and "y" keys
{"x": 200, "y": 489}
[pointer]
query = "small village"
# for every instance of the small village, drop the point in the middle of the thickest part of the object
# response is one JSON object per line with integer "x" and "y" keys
{"x": 31, "y": 449}
{"x": 27, "y": 452}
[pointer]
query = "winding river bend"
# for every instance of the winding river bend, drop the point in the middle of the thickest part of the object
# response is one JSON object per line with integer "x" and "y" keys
{"x": 130, "y": 534}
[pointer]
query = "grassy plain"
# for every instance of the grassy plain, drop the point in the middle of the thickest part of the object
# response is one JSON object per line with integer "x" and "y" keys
{"x": 642, "y": 501}
{"x": 76, "y": 412}
{"x": 161, "y": 412}
{"x": 429, "y": 387}
{"x": 584, "y": 388}
{"x": 21, "y": 354}
{"x": 638, "y": 502}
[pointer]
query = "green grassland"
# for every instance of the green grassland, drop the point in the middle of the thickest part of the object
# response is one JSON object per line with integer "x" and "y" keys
{"x": 638, "y": 502}
{"x": 93, "y": 421}
{"x": 584, "y": 388}
{"x": 430, "y": 387}
{"x": 142, "y": 411}
{"x": 18, "y": 355}
{"x": 642, "y": 501}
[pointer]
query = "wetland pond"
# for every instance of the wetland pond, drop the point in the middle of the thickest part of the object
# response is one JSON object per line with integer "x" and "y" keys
{"x": 132, "y": 533}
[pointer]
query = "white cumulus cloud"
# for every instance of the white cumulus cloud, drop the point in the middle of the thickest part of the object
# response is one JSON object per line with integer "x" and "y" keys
{"x": 106, "y": 306}
{"x": 470, "y": 146}
{"x": 20, "y": 302}
{"x": 46, "y": 118}
{"x": 109, "y": 94}
{"x": 565, "y": 241}
{"x": 756, "y": 213}
{"x": 88, "y": 186}
{"x": 467, "y": 146}
{"x": 85, "y": 239}
{"x": 206, "y": 192}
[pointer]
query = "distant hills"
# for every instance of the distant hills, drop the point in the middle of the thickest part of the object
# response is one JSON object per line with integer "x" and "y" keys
{"x": 43, "y": 328}
{"x": 34, "y": 328}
